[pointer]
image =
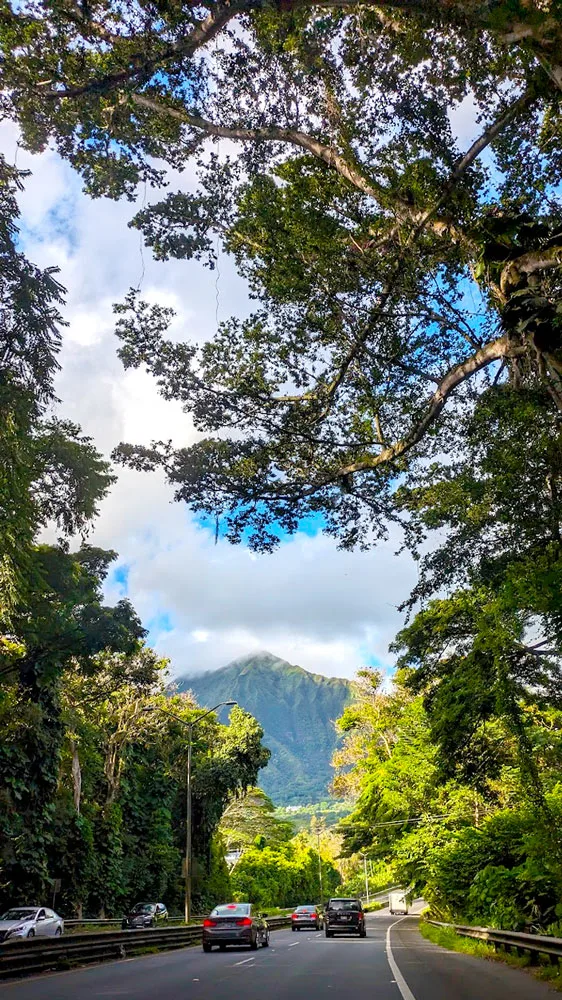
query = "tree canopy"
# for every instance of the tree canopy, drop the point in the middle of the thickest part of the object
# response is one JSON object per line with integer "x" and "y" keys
{"x": 251, "y": 819}
{"x": 397, "y": 273}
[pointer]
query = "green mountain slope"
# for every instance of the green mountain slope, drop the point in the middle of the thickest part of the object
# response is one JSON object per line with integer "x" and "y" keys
{"x": 297, "y": 711}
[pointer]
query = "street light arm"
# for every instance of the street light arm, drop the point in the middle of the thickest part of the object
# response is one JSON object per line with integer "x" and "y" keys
{"x": 189, "y": 725}
{"x": 209, "y": 711}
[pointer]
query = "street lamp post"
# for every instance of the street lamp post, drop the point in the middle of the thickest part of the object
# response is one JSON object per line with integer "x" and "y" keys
{"x": 320, "y": 867}
{"x": 189, "y": 726}
{"x": 364, "y": 856}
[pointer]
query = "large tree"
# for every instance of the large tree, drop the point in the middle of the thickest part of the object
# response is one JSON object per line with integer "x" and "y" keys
{"x": 357, "y": 218}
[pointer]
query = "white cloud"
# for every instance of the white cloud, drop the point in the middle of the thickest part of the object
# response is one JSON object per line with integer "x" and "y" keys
{"x": 204, "y": 604}
{"x": 327, "y": 610}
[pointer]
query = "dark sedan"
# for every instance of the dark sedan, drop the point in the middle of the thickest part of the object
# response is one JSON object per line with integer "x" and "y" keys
{"x": 308, "y": 917}
{"x": 145, "y": 915}
{"x": 235, "y": 923}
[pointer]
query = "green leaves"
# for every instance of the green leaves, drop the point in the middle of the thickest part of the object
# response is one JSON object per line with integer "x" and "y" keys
{"x": 349, "y": 207}
{"x": 251, "y": 818}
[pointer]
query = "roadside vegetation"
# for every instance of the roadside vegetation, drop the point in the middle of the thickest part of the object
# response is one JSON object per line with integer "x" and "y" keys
{"x": 476, "y": 837}
{"x": 447, "y": 938}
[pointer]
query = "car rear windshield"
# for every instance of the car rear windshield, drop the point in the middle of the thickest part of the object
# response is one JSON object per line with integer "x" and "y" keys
{"x": 231, "y": 910}
{"x": 305, "y": 909}
{"x": 18, "y": 915}
{"x": 143, "y": 908}
{"x": 344, "y": 904}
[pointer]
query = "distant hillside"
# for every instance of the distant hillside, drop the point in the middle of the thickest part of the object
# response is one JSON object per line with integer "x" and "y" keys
{"x": 296, "y": 709}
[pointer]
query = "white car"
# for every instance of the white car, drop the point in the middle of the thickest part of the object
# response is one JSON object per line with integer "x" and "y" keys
{"x": 30, "y": 921}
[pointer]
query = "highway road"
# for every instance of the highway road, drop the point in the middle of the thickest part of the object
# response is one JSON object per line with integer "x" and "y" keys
{"x": 393, "y": 963}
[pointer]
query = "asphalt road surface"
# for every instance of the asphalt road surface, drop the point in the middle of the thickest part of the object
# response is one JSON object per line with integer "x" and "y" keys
{"x": 392, "y": 963}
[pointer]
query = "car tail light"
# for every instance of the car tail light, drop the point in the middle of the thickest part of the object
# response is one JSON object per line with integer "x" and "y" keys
{"x": 244, "y": 922}
{"x": 361, "y": 915}
{"x": 209, "y": 923}
{"x": 295, "y": 916}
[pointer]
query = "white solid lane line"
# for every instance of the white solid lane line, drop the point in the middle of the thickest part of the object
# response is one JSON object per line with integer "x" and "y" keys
{"x": 294, "y": 945}
{"x": 245, "y": 962}
{"x": 400, "y": 981}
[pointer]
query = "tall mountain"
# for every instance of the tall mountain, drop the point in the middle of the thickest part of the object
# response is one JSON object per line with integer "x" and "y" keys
{"x": 297, "y": 710}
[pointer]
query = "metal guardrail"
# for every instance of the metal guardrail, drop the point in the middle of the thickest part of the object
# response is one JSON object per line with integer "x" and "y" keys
{"x": 116, "y": 921}
{"x": 26, "y": 958}
{"x": 377, "y": 897}
{"x": 531, "y": 944}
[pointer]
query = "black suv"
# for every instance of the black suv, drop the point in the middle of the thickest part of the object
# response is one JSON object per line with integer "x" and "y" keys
{"x": 344, "y": 916}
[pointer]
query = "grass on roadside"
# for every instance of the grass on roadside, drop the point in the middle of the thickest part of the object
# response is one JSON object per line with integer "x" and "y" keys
{"x": 448, "y": 938}
{"x": 373, "y": 907}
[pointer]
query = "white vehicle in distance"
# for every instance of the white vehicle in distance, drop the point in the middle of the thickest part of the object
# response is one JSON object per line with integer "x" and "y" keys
{"x": 30, "y": 921}
{"x": 398, "y": 902}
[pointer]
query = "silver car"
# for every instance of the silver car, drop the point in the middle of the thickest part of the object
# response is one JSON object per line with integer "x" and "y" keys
{"x": 30, "y": 921}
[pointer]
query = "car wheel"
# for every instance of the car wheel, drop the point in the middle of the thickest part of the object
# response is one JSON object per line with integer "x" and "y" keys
{"x": 31, "y": 933}
{"x": 58, "y": 932}
{"x": 329, "y": 933}
{"x": 293, "y": 928}
{"x": 151, "y": 923}
{"x": 265, "y": 942}
{"x": 363, "y": 932}
{"x": 254, "y": 944}
{"x": 206, "y": 946}
{"x": 222, "y": 947}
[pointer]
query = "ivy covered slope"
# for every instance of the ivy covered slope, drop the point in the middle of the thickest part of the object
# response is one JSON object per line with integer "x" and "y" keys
{"x": 297, "y": 711}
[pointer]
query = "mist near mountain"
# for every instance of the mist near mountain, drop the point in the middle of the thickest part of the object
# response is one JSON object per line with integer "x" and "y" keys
{"x": 297, "y": 710}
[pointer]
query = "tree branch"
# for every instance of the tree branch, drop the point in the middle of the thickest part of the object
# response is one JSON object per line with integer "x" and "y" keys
{"x": 465, "y": 161}
{"x": 270, "y": 133}
{"x": 493, "y": 351}
{"x": 142, "y": 69}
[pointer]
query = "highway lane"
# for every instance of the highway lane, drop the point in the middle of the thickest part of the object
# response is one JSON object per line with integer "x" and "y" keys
{"x": 393, "y": 963}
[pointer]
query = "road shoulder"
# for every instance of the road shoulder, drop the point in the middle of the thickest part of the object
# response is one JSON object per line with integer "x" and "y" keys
{"x": 435, "y": 973}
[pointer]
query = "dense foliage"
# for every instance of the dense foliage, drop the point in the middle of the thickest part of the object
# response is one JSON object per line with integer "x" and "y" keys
{"x": 113, "y": 826}
{"x": 296, "y": 710}
{"x": 286, "y": 875}
{"x": 474, "y": 842}
{"x": 328, "y": 811}
{"x": 251, "y": 820}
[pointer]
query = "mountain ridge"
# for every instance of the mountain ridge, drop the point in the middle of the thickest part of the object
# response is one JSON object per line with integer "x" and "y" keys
{"x": 297, "y": 709}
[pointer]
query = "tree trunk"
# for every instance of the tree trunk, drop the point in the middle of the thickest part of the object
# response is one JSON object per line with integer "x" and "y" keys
{"x": 76, "y": 776}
